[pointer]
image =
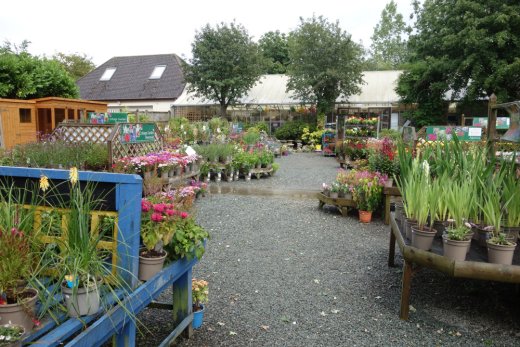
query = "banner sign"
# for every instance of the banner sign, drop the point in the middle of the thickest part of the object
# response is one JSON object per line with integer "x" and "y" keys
{"x": 137, "y": 132}
{"x": 467, "y": 133}
{"x": 107, "y": 118}
{"x": 502, "y": 122}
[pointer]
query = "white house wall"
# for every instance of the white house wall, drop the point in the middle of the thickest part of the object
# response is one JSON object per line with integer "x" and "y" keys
{"x": 150, "y": 106}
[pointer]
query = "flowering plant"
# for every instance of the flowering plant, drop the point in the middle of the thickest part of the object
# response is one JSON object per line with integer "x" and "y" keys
{"x": 199, "y": 293}
{"x": 367, "y": 190}
{"x": 158, "y": 224}
{"x": 382, "y": 158}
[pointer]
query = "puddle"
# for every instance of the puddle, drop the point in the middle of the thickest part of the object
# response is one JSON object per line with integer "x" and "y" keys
{"x": 255, "y": 191}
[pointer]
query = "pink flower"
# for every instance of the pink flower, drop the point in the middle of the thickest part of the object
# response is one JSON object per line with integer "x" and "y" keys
{"x": 170, "y": 212}
{"x": 184, "y": 215}
{"x": 159, "y": 207}
{"x": 157, "y": 217}
{"x": 145, "y": 205}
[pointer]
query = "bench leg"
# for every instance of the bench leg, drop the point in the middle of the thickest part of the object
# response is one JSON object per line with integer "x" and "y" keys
{"x": 344, "y": 211}
{"x": 182, "y": 301}
{"x": 391, "y": 249}
{"x": 387, "y": 209}
{"x": 321, "y": 204}
{"x": 405, "y": 290}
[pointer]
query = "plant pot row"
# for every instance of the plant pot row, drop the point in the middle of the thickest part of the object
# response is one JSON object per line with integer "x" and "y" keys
{"x": 457, "y": 249}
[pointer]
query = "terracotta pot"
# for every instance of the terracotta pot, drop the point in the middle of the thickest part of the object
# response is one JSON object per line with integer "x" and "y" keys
{"x": 82, "y": 301}
{"x": 422, "y": 239}
{"x": 365, "y": 216}
{"x": 454, "y": 249}
{"x": 16, "y": 313}
{"x": 500, "y": 254}
{"x": 148, "y": 267}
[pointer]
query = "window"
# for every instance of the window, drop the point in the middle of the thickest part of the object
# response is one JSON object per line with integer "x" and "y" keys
{"x": 157, "y": 72}
{"x": 25, "y": 115}
{"x": 107, "y": 75}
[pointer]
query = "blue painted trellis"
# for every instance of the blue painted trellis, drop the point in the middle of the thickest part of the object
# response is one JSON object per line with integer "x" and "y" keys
{"x": 117, "y": 322}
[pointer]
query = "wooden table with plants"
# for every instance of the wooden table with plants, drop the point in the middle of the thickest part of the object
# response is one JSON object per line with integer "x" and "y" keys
{"x": 460, "y": 214}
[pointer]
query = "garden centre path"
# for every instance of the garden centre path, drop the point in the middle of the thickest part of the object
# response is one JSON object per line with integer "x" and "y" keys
{"x": 281, "y": 272}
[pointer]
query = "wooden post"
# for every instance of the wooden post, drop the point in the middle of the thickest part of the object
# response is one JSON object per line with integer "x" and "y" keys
{"x": 492, "y": 125}
{"x": 391, "y": 249}
{"x": 387, "y": 209}
{"x": 182, "y": 301}
{"x": 405, "y": 290}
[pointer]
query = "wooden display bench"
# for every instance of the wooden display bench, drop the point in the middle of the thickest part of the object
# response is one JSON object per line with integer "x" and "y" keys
{"x": 177, "y": 181}
{"x": 388, "y": 193}
{"x": 342, "y": 204}
{"x": 258, "y": 173}
{"x": 475, "y": 267}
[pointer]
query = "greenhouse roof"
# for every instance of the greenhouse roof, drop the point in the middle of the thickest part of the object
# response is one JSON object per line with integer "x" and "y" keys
{"x": 379, "y": 88}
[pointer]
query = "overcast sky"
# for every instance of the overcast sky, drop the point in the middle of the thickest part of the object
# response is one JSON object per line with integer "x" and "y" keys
{"x": 108, "y": 28}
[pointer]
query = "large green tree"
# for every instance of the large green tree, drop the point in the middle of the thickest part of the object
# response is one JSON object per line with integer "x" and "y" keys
{"x": 77, "y": 65}
{"x": 463, "y": 49}
{"x": 275, "y": 49}
{"x": 226, "y": 63}
{"x": 389, "y": 41}
{"x": 325, "y": 63}
{"x": 23, "y": 76}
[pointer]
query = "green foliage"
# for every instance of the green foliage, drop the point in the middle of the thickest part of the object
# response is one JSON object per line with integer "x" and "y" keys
{"x": 226, "y": 63}
{"x": 388, "y": 49}
{"x": 188, "y": 240}
{"x": 24, "y": 76}
{"x": 312, "y": 138}
{"x": 251, "y": 136}
{"x": 392, "y": 134}
{"x": 325, "y": 63}
{"x": 469, "y": 47}
{"x": 11, "y": 334}
{"x": 275, "y": 49}
{"x": 292, "y": 130}
{"x": 77, "y": 65}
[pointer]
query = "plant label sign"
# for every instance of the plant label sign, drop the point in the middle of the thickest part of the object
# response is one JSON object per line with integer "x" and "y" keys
{"x": 137, "y": 133}
{"x": 440, "y": 133}
{"x": 502, "y": 122}
{"x": 107, "y": 118}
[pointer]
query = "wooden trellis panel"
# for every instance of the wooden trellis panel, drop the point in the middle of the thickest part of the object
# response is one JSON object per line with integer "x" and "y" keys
{"x": 78, "y": 133}
{"x": 119, "y": 149}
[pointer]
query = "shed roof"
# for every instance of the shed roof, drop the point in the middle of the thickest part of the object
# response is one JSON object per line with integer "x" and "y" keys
{"x": 131, "y": 79}
{"x": 379, "y": 88}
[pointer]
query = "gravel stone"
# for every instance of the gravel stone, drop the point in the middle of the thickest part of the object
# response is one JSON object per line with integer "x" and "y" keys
{"x": 282, "y": 272}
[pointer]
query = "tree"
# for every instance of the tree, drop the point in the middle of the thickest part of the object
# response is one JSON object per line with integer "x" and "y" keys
{"x": 325, "y": 63}
{"x": 77, "y": 65}
{"x": 226, "y": 63}
{"x": 275, "y": 49}
{"x": 467, "y": 48}
{"x": 23, "y": 76}
{"x": 389, "y": 44}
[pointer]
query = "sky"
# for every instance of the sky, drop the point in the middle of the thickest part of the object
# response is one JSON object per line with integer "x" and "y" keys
{"x": 110, "y": 28}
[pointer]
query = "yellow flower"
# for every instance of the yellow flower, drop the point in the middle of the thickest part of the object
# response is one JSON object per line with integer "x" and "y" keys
{"x": 44, "y": 183}
{"x": 73, "y": 175}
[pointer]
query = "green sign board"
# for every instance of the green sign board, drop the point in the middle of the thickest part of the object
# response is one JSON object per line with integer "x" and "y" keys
{"x": 137, "y": 132}
{"x": 107, "y": 118}
{"x": 502, "y": 122}
{"x": 464, "y": 133}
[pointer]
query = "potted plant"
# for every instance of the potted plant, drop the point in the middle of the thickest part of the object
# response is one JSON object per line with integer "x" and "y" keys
{"x": 511, "y": 198}
{"x": 157, "y": 229}
{"x": 325, "y": 189}
{"x": 457, "y": 238}
{"x": 367, "y": 193}
{"x": 188, "y": 240}
{"x": 334, "y": 190}
{"x": 11, "y": 335}
{"x": 199, "y": 292}
{"x": 17, "y": 301}
{"x": 500, "y": 250}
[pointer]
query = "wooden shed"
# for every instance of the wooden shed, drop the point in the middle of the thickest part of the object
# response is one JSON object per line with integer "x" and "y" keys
{"x": 21, "y": 121}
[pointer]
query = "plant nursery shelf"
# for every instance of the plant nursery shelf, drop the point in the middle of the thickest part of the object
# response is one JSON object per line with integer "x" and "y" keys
{"x": 342, "y": 204}
{"x": 476, "y": 267}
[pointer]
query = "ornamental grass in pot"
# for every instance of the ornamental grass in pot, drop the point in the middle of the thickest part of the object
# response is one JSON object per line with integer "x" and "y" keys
{"x": 11, "y": 335}
{"x": 18, "y": 261}
{"x": 500, "y": 250}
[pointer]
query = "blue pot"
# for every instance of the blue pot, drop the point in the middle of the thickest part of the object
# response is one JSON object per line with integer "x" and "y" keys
{"x": 198, "y": 316}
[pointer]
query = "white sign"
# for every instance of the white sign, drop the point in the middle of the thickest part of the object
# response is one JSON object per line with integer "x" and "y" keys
{"x": 475, "y": 132}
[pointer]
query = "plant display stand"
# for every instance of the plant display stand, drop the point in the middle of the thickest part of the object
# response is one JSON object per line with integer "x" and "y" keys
{"x": 342, "y": 204}
{"x": 258, "y": 173}
{"x": 328, "y": 143}
{"x": 475, "y": 267}
{"x": 117, "y": 320}
{"x": 389, "y": 192}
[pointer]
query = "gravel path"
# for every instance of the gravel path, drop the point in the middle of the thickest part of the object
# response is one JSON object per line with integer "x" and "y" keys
{"x": 284, "y": 273}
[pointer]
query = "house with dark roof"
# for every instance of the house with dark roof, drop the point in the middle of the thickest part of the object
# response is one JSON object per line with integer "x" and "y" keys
{"x": 145, "y": 84}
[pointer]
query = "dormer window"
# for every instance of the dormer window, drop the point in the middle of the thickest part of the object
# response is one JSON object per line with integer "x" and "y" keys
{"x": 107, "y": 75}
{"x": 157, "y": 72}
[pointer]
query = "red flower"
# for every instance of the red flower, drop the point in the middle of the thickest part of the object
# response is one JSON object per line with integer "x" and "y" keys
{"x": 145, "y": 205}
{"x": 170, "y": 212}
{"x": 184, "y": 215}
{"x": 157, "y": 217}
{"x": 159, "y": 207}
